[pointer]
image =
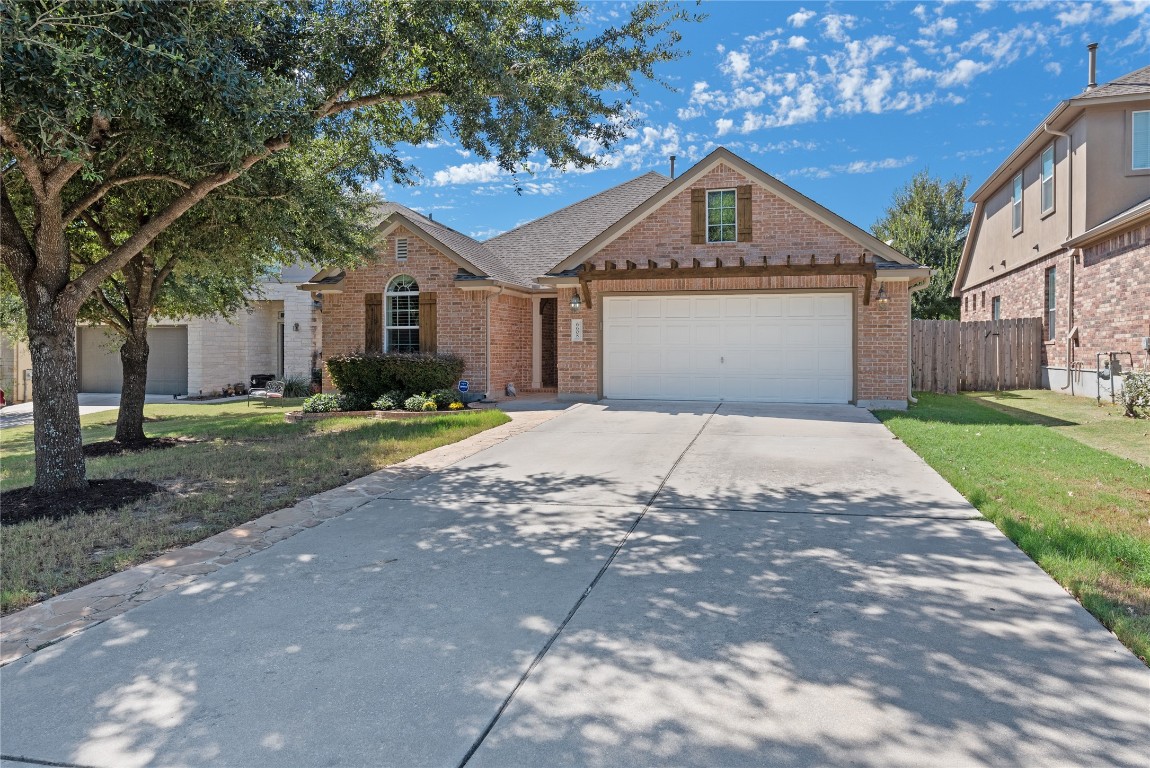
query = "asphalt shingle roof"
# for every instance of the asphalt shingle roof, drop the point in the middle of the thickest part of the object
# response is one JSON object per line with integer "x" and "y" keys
{"x": 534, "y": 248}
{"x": 1132, "y": 84}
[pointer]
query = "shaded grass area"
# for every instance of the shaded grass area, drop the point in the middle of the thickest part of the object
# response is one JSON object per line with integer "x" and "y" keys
{"x": 1100, "y": 426}
{"x": 1082, "y": 514}
{"x": 248, "y": 462}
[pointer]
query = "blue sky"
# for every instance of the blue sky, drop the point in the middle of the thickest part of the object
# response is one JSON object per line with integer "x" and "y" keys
{"x": 842, "y": 101}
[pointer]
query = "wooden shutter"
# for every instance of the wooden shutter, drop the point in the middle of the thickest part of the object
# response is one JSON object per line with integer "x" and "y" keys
{"x": 698, "y": 216}
{"x": 743, "y": 212}
{"x": 427, "y": 322}
{"x": 373, "y": 322}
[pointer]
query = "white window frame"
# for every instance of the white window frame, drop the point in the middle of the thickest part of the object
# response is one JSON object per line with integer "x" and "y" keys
{"x": 1016, "y": 191}
{"x": 734, "y": 208}
{"x": 1044, "y": 180}
{"x": 388, "y": 299}
{"x": 401, "y": 250}
{"x": 1134, "y": 116}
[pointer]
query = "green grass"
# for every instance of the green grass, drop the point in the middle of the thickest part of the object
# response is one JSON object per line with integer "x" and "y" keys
{"x": 249, "y": 462}
{"x": 1100, "y": 426}
{"x": 1081, "y": 513}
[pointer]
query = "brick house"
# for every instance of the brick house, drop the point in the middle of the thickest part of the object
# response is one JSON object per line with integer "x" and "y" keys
{"x": 723, "y": 283}
{"x": 1061, "y": 231}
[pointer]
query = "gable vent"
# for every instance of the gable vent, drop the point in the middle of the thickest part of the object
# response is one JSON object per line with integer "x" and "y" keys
{"x": 401, "y": 249}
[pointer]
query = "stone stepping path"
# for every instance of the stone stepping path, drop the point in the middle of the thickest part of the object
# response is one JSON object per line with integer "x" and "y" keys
{"x": 62, "y": 616}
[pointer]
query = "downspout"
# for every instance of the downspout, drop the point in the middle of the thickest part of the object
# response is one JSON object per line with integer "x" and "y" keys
{"x": 1072, "y": 330}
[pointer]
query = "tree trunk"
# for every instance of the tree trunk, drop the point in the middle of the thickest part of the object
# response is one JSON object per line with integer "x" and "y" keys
{"x": 56, "y": 414}
{"x": 134, "y": 359}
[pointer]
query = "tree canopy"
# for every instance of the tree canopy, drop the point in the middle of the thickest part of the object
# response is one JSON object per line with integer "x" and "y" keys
{"x": 106, "y": 94}
{"x": 927, "y": 220}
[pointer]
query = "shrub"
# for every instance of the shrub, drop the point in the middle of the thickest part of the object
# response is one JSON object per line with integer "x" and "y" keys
{"x": 373, "y": 375}
{"x": 430, "y": 405}
{"x": 1136, "y": 393}
{"x": 384, "y": 403}
{"x": 416, "y": 403}
{"x": 444, "y": 398}
{"x": 322, "y": 403}
{"x": 297, "y": 386}
{"x": 354, "y": 401}
{"x": 456, "y": 406}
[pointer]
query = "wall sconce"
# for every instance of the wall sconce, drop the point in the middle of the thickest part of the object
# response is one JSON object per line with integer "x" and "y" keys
{"x": 295, "y": 326}
{"x": 882, "y": 297}
{"x": 576, "y": 302}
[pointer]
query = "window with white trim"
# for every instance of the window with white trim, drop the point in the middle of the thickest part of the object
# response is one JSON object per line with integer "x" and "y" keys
{"x": 401, "y": 315}
{"x": 1016, "y": 205}
{"x": 1140, "y": 140}
{"x": 401, "y": 249}
{"x": 1046, "y": 172}
{"x": 996, "y": 308}
{"x": 721, "y": 216}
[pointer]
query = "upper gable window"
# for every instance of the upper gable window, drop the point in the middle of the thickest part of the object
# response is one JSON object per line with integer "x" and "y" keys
{"x": 721, "y": 216}
{"x": 1016, "y": 206}
{"x": 1046, "y": 165}
{"x": 1140, "y": 140}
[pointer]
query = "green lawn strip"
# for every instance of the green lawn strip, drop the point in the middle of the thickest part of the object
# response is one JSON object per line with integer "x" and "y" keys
{"x": 1081, "y": 513}
{"x": 246, "y": 465}
{"x": 1099, "y": 425}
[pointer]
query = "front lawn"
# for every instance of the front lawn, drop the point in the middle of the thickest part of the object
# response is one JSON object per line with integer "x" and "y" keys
{"x": 1081, "y": 513}
{"x": 248, "y": 462}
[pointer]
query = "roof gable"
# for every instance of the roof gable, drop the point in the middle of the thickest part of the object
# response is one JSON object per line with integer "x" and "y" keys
{"x": 753, "y": 174}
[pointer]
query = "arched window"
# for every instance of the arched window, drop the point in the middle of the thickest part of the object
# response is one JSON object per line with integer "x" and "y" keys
{"x": 401, "y": 328}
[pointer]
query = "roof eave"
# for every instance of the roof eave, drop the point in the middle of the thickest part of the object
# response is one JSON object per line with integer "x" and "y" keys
{"x": 1131, "y": 218}
{"x": 396, "y": 219}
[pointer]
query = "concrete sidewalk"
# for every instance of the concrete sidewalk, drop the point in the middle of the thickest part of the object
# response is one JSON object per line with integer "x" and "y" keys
{"x": 623, "y": 584}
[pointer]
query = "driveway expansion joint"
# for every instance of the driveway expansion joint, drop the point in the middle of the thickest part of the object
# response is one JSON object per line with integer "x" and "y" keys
{"x": 582, "y": 598}
{"x": 63, "y": 616}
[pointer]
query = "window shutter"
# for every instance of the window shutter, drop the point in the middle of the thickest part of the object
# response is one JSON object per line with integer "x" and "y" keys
{"x": 743, "y": 213}
{"x": 427, "y": 322}
{"x": 698, "y": 216}
{"x": 373, "y": 322}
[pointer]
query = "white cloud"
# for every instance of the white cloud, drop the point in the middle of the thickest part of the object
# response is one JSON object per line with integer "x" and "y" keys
{"x": 962, "y": 73}
{"x": 468, "y": 173}
{"x": 797, "y": 43}
{"x": 736, "y": 64}
{"x": 855, "y": 167}
{"x": 800, "y": 17}
{"x": 939, "y": 27}
{"x": 723, "y": 126}
{"x": 1075, "y": 15}
{"x": 1054, "y": 68}
{"x": 835, "y": 26}
{"x": 485, "y": 234}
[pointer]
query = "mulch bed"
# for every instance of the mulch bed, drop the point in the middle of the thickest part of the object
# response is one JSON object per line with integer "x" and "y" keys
{"x": 23, "y": 504}
{"x": 115, "y": 448}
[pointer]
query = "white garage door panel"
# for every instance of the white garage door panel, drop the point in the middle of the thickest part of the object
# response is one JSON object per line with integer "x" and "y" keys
{"x": 102, "y": 371}
{"x": 755, "y": 348}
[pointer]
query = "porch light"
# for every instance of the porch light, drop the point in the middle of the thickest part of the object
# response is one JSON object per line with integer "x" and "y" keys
{"x": 576, "y": 302}
{"x": 882, "y": 298}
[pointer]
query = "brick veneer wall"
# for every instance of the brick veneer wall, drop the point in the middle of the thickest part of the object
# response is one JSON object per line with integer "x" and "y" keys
{"x": 779, "y": 230}
{"x": 1111, "y": 298}
{"x": 510, "y": 343}
{"x": 461, "y": 316}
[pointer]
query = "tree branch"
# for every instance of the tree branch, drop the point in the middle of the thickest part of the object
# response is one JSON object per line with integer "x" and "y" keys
{"x": 331, "y": 108}
{"x": 105, "y": 236}
{"x": 17, "y": 252}
{"x": 94, "y": 196}
{"x": 114, "y": 312}
{"x": 91, "y": 278}
{"x": 60, "y": 175}
{"x": 24, "y": 160}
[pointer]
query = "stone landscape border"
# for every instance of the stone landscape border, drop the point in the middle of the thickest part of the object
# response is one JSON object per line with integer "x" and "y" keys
{"x": 293, "y": 417}
{"x": 60, "y": 617}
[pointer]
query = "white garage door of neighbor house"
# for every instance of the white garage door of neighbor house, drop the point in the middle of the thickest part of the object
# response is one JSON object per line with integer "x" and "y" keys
{"x": 770, "y": 347}
{"x": 101, "y": 370}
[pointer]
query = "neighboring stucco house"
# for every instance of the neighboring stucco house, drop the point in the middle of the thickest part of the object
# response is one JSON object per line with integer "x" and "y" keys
{"x": 15, "y": 370}
{"x": 723, "y": 283}
{"x": 1061, "y": 231}
{"x": 278, "y": 334}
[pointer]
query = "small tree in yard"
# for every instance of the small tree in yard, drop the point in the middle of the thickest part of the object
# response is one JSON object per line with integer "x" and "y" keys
{"x": 214, "y": 256}
{"x": 926, "y": 221}
{"x": 105, "y": 95}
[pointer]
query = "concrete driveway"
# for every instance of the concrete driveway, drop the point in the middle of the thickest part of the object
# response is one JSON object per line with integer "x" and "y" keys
{"x": 628, "y": 584}
{"x": 20, "y": 415}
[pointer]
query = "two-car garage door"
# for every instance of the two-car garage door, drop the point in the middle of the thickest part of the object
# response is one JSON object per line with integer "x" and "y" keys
{"x": 770, "y": 347}
{"x": 101, "y": 370}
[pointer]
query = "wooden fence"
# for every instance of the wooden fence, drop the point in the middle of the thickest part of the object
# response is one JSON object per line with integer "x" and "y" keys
{"x": 948, "y": 356}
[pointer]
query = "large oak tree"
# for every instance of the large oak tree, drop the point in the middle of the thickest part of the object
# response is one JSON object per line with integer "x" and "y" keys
{"x": 104, "y": 94}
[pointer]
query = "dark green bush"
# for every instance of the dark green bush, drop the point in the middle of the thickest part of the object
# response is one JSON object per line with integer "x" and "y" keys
{"x": 321, "y": 404}
{"x": 444, "y": 398}
{"x": 354, "y": 401}
{"x": 297, "y": 386}
{"x": 368, "y": 376}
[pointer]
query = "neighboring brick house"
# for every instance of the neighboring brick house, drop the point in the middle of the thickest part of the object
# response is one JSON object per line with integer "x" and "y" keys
{"x": 1065, "y": 236}
{"x": 278, "y": 333}
{"x": 722, "y": 284}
